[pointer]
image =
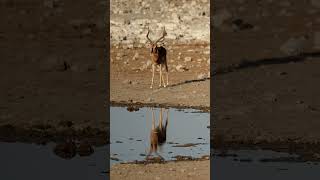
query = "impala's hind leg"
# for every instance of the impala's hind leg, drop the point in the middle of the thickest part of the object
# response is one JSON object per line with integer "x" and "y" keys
{"x": 153, "y": 69}
{"x": 167, "y": 71}
{"x": 164, "y": 84}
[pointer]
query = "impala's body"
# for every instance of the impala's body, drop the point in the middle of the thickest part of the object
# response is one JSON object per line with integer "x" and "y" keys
{"x": 158, "y": 135}
{"x": 158, "y": 57}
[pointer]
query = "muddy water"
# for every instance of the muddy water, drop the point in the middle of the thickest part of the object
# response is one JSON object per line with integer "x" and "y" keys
{"x": 30, "y": 161}
{"x": 262, "y": 165}
{"x": 130, "y": 134}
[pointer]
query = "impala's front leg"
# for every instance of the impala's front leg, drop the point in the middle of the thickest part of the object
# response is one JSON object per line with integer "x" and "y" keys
{"x": 160, "y": 71}
{"x": 153, "y": 68}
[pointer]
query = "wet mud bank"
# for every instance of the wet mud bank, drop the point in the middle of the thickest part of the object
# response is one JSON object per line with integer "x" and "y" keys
{"x": 43, "y": 134}
{"x": 136, "y": 105}
{"x": 305, "y": 151}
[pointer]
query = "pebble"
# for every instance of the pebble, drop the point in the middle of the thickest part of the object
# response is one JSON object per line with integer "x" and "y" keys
{"x": 136, "y": 56}
{"x": 293, "y": 46}
{"x": 201, "y": 76}
{"x": 181, "y": 68}
{"x": 187, "y": 59}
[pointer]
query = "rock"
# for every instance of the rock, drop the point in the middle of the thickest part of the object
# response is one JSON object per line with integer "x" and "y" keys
{"x": 130, "y": 46}
{"x": 201, "y": 76}
{"x": 271, "y": 97}
{"x": 239, "y": 24}
{"x": 146, "y": 65}
{"x": 127, "y": 81}
{"x": 187, "y": 59}
{"x": 294, "y": 46}
{"x": 282, "y": 73}
{"x": 134, "y": 82}
{"x": 299, "y": 102}
{"x": 136, "y": 56}
{"x": 181, "y": 68}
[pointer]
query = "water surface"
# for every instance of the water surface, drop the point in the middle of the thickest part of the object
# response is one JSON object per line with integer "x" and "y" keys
{"x": 256, "y": 164}
{"x": 38, "y": 162}
{"x": 130, "y": 133}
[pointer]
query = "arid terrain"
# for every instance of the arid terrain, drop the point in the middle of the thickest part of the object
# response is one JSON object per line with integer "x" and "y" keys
{"x": 265, "y": 77}
{"x": 171, "y": 170}
{"x": 188, "y": 53}
{"x": 53, "y": 71}
{"x": 189, "y": 85}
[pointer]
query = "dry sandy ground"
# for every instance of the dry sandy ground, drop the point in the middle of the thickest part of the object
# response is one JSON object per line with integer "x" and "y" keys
{"x": 130, "y": 78}
{"x": 172, "y": 170}
{"x": 262, "y": 94}
{"x": 52, "y": 68}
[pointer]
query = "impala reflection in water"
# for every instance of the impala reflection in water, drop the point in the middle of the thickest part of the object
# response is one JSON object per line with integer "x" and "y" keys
{"x": 158, "y": 134}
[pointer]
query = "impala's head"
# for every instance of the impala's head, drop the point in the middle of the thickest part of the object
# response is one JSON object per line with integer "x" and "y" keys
{"x": 154, "y": 44}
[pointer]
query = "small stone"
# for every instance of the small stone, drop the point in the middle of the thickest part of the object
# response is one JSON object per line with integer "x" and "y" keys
{"x": 294, "y": 46}
{"x": 201, "y": 76}
{"x": 187, "y": 59}
{"x": 299, "y": 102}
{"x": 127, "y": 81}
{"x": 283, "y": 73}
{"x": 181, "y": 68}
{"x": 136, "y": 56}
